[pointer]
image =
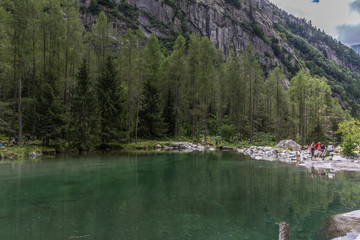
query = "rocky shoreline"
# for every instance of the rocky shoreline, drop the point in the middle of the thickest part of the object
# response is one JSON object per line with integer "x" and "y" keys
{"x": 344, "y": 226}
{"x": 333, "y": 162}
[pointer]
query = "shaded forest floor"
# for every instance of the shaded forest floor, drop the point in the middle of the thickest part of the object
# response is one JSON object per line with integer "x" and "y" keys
{"x": 9, "y": 150}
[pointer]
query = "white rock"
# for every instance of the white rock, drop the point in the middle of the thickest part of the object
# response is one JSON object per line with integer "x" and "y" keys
{"x": 289, "y": 144}
{"x": 338, "y": 158}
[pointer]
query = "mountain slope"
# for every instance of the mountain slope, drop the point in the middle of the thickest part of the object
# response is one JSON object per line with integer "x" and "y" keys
{"x": 278, "y": 38}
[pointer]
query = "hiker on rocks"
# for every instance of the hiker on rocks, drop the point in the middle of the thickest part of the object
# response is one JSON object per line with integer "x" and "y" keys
{"x": 322, "y": 149}
{"x": 317, "y": 146}
{"x": 312, "y": 150}
{"x": 298, "y": 156}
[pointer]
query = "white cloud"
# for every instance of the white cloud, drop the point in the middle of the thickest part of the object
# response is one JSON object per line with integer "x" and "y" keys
{"x": 328, "y": 15}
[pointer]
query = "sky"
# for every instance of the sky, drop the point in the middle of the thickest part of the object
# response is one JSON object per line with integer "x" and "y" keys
{"x": 338, "y": 18}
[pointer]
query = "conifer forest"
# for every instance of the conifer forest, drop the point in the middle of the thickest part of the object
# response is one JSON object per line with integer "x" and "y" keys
{"x": 84, "y": 88}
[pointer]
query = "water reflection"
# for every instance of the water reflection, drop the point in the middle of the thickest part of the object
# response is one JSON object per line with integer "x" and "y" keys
{"x": 168, "y": 196}
{"x": 320, "y": 172}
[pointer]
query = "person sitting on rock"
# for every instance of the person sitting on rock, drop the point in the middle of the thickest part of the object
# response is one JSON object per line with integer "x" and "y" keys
{"x": 330, "y": 147}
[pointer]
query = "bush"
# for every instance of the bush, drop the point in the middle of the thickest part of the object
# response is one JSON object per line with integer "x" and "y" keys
{"x": 350, "y": 134}
{"x": 265, "y": 138}
{"x": 227, "y": 132}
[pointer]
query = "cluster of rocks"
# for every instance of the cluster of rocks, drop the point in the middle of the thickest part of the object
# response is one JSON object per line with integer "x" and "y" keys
{"x": 286, "y": 151}
{"x": 290, "y": 152}
{"x": 183, "y": 147}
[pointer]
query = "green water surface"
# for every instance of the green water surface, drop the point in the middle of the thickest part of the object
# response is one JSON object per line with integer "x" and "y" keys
{"x": 216, "y": 195}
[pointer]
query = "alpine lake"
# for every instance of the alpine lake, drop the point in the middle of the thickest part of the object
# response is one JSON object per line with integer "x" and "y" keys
{"x": 198, "y": 195}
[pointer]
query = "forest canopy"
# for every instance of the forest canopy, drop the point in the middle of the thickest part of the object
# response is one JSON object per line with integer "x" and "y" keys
{"x": 83, "y": 90}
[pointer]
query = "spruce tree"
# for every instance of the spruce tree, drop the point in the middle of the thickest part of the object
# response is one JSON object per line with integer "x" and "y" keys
{"x": 83, "y": 128}
{"x": 108, "y": 98}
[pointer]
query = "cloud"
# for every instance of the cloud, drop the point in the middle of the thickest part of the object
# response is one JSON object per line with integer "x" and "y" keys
{"x": 355, "y": 6}
{"x": 349, "y": 33}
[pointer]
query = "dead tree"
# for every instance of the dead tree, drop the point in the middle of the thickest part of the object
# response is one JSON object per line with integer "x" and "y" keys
{"x": 283, "y": 231}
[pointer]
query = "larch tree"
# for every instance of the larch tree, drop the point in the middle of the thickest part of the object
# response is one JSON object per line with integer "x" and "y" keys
{"x": 252, "y": 74}
{"x": 108, "y": 99}
{"x": 206, "y": 79}
{"x": 191, "y": 85}
{"x": 177, "y": 73}
{"x": 234, "y": 93}
{"x": 151, "y": 121}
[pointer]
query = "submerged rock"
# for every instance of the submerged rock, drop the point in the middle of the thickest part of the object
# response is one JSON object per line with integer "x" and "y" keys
{"x": 341, "y": 226}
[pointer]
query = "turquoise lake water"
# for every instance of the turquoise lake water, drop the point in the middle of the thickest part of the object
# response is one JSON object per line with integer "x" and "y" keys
{"x": 213, "y": 195}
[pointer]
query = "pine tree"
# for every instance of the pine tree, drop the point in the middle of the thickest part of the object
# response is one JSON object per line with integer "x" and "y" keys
{"x": 108, "y": 98}
{"x": 49, "y": 120}
{"x": 84, "y": 116}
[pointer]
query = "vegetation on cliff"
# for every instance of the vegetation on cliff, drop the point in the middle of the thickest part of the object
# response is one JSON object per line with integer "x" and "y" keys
{"x": 77, "y": 90}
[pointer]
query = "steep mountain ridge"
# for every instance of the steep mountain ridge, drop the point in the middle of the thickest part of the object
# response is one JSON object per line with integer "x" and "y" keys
{"x": 280, "y": 39}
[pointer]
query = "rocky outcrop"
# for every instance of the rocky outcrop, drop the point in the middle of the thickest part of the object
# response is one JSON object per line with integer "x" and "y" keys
{"x": 335, "y": 162}
{"x": 289, "y": 144}
{"x": 183, "y": 147}
{"x": 341, "y": 226}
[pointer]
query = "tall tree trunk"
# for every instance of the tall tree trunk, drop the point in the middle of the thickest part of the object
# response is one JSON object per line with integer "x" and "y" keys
{"x": 19, "y": 81}
{"x": 129, "y": 94}
{"x": 44, "y": 59}
{"x": 251, "y": 107}
{"x": 34, "y": 81}
{"x": 66, "y": 64}
{"x": 136, "y": 121}
{"x": 277, "y": 111}
{"x": 15, "y": 91}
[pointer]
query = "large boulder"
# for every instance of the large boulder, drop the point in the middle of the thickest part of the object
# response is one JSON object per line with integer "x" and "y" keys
{"x": 291, "y": 144}
{"x": 340, "y": 225}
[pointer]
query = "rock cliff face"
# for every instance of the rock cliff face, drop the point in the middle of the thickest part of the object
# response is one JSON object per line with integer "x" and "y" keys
{"x": 227, "y": 27}
{"x": 279, "y": 38}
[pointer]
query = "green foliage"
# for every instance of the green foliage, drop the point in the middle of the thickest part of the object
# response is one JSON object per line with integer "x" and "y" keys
{"x": 350, "y": 135}
{"x": 319, "y": 64}
{"x": 235, "y": 3}
{"x": 227, "y": 132}
{"x": 150, "y": 114}
{"x": 108, "y": 98}
{"x": 94, "y": 7}
{"x": 178, "y": 87}
{"x": 266, "y": 139}
{"x": 83, "y": 125}
{"x": 107, "y": 3}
